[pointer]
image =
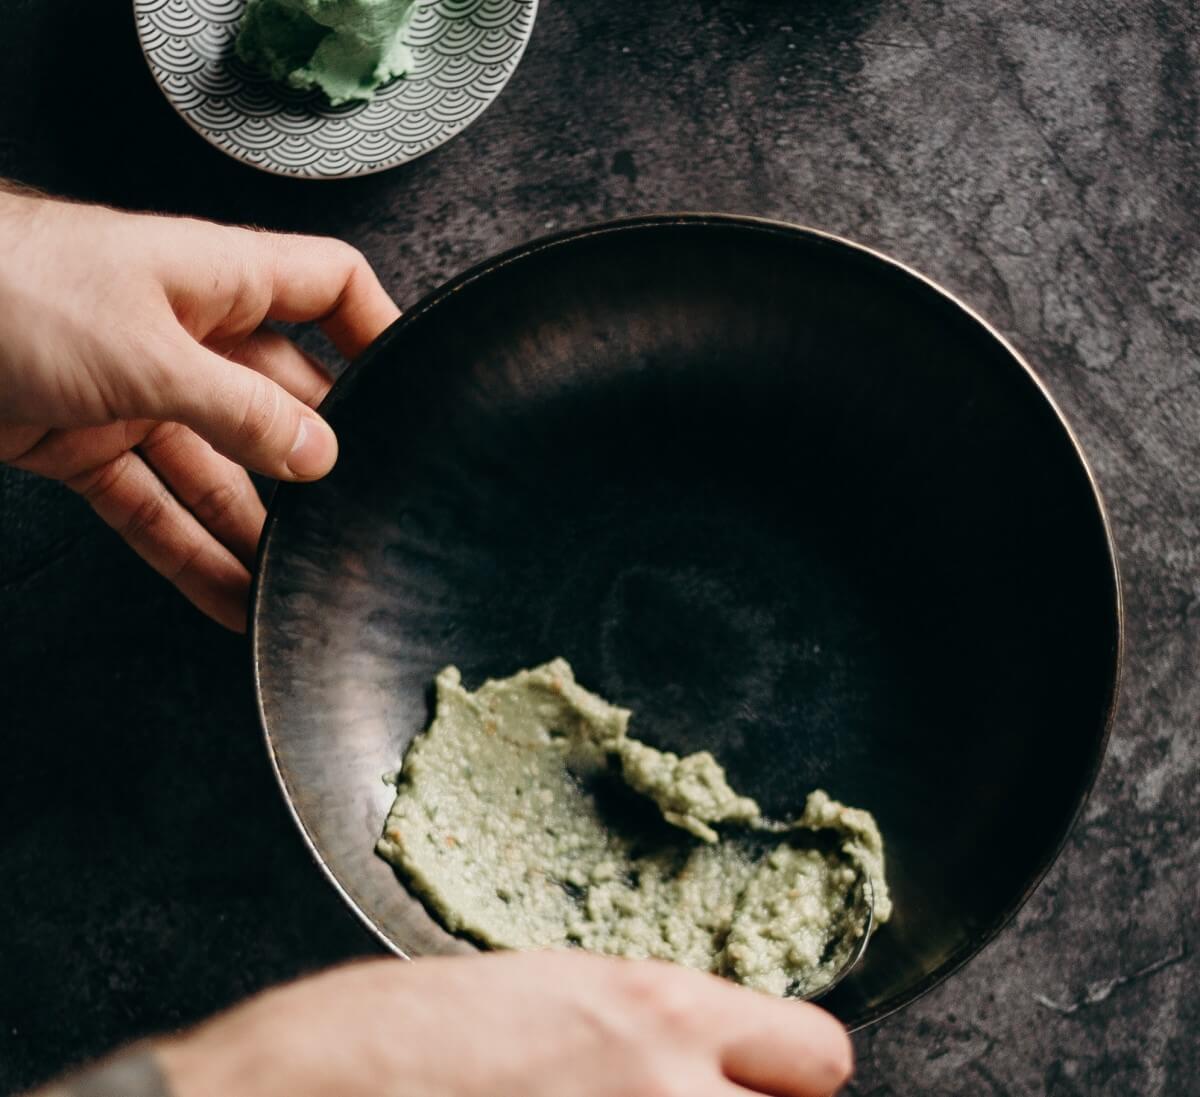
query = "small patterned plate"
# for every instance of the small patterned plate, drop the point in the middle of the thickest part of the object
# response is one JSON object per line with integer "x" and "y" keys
{"x": 464, "y": 51}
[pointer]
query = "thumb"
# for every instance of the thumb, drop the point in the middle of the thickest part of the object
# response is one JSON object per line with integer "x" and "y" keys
{"x": 252, "y": 420}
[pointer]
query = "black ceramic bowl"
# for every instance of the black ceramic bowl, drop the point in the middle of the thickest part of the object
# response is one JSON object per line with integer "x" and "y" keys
{"x": 782, "y": 497}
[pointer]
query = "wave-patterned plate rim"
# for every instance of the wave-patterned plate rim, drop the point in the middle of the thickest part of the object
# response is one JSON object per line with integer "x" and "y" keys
{"x": 201, "y": 88}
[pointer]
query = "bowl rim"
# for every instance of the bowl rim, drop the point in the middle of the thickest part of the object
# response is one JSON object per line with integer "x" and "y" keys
{"x": 355, "y": 172}
{"x": 983, "y": 935}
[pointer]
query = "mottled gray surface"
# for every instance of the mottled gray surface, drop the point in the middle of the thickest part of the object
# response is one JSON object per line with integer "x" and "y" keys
{"x": 1040, "y": 159}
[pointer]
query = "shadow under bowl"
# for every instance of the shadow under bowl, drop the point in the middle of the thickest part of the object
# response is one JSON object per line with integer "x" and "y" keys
{"x": 782, "y": 497}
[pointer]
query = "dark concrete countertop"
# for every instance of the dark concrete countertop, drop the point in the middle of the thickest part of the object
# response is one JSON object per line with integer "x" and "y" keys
{"x": 1038, "y": 159}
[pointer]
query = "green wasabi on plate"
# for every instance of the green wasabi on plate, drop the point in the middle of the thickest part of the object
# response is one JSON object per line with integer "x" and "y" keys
{"x": 347, "y": 48}
{"x": 526, "y": 817}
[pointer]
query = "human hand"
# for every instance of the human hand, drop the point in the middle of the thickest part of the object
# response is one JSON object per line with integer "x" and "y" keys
{"x": 135, "y": 368}
{"x": 552, "y": 1024}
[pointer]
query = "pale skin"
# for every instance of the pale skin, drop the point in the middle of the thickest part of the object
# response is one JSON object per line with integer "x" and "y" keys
{"x": 136, "y": 367}
{"x": 563, "y": 1024}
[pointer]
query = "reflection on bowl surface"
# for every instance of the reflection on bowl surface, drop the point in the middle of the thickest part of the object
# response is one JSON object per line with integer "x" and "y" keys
{"x": 781, "y": 497}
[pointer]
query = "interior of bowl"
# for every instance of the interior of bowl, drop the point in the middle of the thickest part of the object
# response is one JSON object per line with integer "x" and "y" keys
{"x": 779, "y": 496}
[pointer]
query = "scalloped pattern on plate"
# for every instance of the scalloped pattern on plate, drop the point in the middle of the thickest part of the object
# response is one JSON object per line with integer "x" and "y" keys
{"x": 464, "y": 51}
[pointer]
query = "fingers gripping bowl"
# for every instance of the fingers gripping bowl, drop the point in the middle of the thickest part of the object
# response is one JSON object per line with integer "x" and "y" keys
{"x": 783, "y": 498}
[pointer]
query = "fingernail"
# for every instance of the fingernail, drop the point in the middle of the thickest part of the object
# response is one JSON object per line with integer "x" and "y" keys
{"x": 314, "y": 450}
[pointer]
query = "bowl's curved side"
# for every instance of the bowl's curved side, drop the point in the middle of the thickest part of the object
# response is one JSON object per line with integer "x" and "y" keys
{"x": 1113, "y": 610}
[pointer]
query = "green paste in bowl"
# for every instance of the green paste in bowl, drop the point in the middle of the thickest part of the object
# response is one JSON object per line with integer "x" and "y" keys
{"x": 526, "y": 817}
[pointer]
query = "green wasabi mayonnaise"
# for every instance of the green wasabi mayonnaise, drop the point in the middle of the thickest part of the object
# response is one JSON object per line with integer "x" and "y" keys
{"x": 347, "y": 48}
{"x": 526, "y": 817}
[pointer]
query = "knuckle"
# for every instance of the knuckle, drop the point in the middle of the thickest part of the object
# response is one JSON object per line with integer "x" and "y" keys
{"x": 264, "y": 344}
{"x": 339, "y": 254}
{"x": 248, "y": 309}
{"x": 351, "y": 257}
{"x": 98, "y": 483}
{"x": 184, "y": 563}
{"x": 146, "y": 515}
{"x": 216, "y": 503}
{"x": 830, "y": 1057}
{"x": 839, "y": 1059}
{"x": 659, "y": 990}
{"x": 355, "y": 265}
{"x": 162, "y": 436}
{"x": 260, "y": 414}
